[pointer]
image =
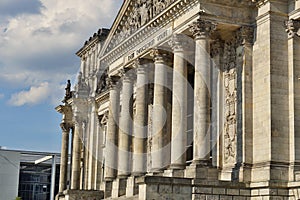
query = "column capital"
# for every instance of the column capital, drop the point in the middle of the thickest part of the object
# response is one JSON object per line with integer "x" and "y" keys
{"x": 65, "y": 127}
{"x": 128, "y": 74}
{"x": 179, "y": 42}
{"x": 292, "y": 27}
{"x": 112, "y": 81}
{"x": 216, "y": 47}
{"x": 201, "y": 29}
{"x": 140, "y": 65}
{"x": 159, "y": 55}
{"x": 245, "y": 35}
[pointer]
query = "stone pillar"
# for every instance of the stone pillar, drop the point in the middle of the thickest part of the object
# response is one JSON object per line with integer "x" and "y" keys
{"x": 271, "y": 95}
{"x": 126, "y": 122}
{"x": 64, "y": 157}
{"x": 76, "y": 154}
{"x": 293, "y": 30}
{"x": 139, "y": 165}
{"x": 179, "y": 104}
{"x": 112, "y": 130}
{"x": 201, "y": 31}
{"x": 160, "y": 141}
{"x": 92, "y": 148}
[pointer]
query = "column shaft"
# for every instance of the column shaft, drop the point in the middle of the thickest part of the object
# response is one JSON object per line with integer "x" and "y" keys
{"x": 160, "y": 152}
{"x": 201, "y": 101}
{"x": 125, "y": 129}
{"x": 179, "y": 110}
{"x": 201, "y": 31}
{"x": 112, "y": 131}
{"x": 76, "y": 156}
{"x": 140, "y": 123}
{"x": 64, "y": 158}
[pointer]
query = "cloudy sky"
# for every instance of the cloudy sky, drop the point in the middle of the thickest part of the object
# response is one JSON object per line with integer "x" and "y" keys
{"x": 38, "y": 41}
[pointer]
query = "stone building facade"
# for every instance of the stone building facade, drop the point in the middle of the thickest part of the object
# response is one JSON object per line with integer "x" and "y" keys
{"x": 187, "y": 99}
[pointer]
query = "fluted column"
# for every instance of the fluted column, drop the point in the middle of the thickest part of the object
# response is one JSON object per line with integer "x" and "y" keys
{"x": 76, "y": 154}
{"x": 126, "y": 122}
{"x": 112, "y": 130}
{"x": 64, "y": 157}
{"x": 160, "y": 147}
{"x": 179, "y": 104}
{"x": 140, "y": 123}
{"x": 201, "y": 31}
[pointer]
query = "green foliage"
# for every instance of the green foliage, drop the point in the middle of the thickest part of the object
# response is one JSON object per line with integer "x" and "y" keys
{"x": 18, "y": 198}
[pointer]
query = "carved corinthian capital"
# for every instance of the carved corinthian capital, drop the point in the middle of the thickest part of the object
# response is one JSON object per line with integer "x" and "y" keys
{"x": 160, "y": 56}
{"x": 112, "y": 81}
{"x": 292, "y": 27}
{"x": 202, "y": 28}
{"x": 245, "y": 35}
{"x": 65, "y": 127}
{"x": 180, "y": 42}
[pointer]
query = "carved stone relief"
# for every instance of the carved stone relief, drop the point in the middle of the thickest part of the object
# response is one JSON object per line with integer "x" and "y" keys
{"x": 142, "y": 11}
{"x": 230, "y": 103}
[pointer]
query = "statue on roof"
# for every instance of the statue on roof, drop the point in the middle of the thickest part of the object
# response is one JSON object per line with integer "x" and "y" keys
{"x": 68, "y": 93}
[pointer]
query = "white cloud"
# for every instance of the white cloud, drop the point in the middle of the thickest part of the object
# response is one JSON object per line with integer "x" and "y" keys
{"x": 1, "y": 96}
{"x": 34, "y": 95}
{"x": 38, "y": 47}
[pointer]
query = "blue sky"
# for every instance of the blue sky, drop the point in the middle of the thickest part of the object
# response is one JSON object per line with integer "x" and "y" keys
{"x": 38, "y": 41}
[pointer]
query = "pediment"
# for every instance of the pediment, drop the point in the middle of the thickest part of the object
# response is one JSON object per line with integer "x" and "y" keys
{"x": 133, "y": 15}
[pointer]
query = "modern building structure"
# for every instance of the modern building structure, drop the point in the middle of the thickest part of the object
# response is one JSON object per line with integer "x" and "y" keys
{"x": 187, "y": 99}
{"x": 21, "y": 177}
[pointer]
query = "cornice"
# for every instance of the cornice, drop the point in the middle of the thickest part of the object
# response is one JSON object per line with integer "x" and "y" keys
{"x": 103, "y": 97}
{"x": 99, "y": 36}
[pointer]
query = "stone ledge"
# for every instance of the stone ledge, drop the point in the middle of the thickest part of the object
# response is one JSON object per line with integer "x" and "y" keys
{"x": 164, "y": 180}
{"x": 82, "y": 194}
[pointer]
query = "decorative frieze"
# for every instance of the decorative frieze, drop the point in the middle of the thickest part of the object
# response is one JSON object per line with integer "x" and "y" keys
{"x": 122, "y": 43}
{"x": 141, "y": 13}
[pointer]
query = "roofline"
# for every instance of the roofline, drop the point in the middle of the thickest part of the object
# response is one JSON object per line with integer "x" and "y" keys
{"x": 31, "y": 152}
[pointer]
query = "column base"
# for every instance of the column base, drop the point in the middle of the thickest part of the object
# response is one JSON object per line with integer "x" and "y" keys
{"x": 80, "y": 194}
{"x": 107, "y": 189}
{"x": 200, "y": 171}
{"x": 179, "y": 173}
{"x": 177, "y": 166}
{"x": 137, "y": 174}
{"x": 119, "y": 187}
{"x": 131, "y": 187}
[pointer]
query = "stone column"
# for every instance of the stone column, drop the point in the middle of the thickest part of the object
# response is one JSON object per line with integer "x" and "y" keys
{"x": 112, "y": 130}
{"x": 126, "y": 122}
{"x": 160, "y": 146}
{"x": 76, "y": 154}
{"x": 201, "y": 31}
{"x": 141, "y": 119}
{"x": 64, "y": 157}
{"x": 179, "y": 104}
{"x": 293, "y": 30}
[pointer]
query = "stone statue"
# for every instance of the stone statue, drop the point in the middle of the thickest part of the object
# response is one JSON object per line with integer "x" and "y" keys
{"x": 68, "y": 93}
